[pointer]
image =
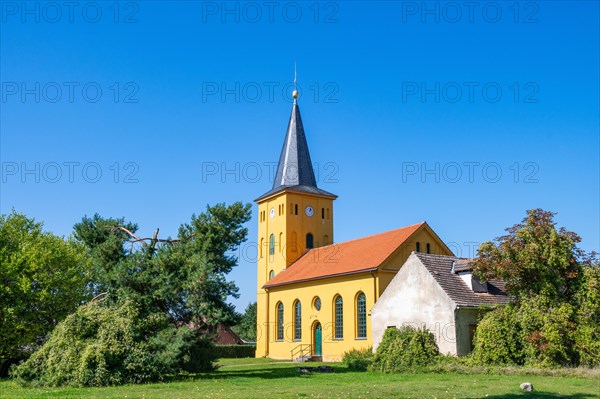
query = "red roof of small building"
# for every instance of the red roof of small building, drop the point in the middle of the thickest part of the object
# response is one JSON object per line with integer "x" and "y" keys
{"x": 349, "y": 257}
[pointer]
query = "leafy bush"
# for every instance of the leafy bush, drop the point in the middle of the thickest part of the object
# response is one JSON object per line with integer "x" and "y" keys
{"x": 403, "y": 348}
{"x": 99, "y": 346}
{"x": 587, "y": 336}
{"x": 235, "y": 351}
{"x": 498, "y": 338}
{"x": 358, "y": 359}
{"x": 537, "y": 333}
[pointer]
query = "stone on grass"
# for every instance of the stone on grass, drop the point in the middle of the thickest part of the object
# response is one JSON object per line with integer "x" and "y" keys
{"x": 527, "y": 386}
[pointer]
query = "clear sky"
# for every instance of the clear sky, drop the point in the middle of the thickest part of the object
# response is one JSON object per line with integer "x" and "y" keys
{"x": 463, "y": 114}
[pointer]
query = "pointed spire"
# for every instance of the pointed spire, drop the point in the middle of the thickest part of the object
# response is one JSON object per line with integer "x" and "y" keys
{"x": 295, "y": 167}
{"x": 294, "y": 170}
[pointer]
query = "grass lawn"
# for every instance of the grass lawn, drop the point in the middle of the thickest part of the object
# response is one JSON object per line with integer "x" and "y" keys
{"x": 264, "y": 378}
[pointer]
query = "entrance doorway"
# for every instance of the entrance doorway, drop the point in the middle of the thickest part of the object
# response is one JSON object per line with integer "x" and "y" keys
{"x": 318, "y": 339}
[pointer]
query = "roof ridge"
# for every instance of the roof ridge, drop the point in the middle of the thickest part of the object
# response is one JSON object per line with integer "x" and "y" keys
{"x": 441, "y": 256}
{"x": 369, "y": 236}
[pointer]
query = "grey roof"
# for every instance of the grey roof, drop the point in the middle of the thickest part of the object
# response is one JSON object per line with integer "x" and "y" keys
{"x": 462, "y": 265}
{"x": 440, "y": 267}
{"x": 294, "y": 170}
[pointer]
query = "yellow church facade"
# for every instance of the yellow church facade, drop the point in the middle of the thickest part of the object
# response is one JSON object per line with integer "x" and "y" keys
{"x": 314, "y": 295}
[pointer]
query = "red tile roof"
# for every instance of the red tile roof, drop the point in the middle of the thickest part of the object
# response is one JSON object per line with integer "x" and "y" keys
{"x": 354, "y": 256}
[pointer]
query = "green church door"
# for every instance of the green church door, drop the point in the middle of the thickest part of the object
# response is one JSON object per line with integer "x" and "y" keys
{"x": 318, "y": 340}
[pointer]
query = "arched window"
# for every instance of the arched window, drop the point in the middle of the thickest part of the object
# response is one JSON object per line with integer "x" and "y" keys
{"x": 310, "y": 241}
{"x": 325, "y": 239}
{"x": 338, "y": 318}
{"x": 297, "y": 320}
{"x": 418, "y": 247}
{"x": 280, "y": 321}
{"x": 361, "y": 316}
{"x": 272, "y": 244}
{"x": 294, "y": 241}
{"x": 262, "y": 244}
{"x": 271, "y": 274}
{"x": 428, "y": 248}
{"x": 280, "y": 241}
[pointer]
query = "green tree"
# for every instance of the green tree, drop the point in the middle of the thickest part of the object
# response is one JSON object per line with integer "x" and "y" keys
{"x": 43, "y": 279}
{"x": 246, "y": 328}
{"x": 534, "y": 258}
{"x": 159, "y": 288}
{"x": 555, "y": 317}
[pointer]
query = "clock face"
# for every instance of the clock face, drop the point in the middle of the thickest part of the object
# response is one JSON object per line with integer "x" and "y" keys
{"x": 309, "y": 211}
{"x": 272, "y": 213}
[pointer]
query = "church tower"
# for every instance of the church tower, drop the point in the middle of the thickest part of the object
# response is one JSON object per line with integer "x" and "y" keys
{"x": 294, "y": 216}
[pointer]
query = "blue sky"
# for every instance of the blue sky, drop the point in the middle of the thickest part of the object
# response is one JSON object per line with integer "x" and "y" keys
{"x": 463, "y": 116}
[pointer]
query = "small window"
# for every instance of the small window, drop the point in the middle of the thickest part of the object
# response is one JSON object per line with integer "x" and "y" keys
{"x": 339, "y": 318}
{"x": 325, "y": 239}
{"x": 310, "y": 241}
{"x": 418, "y": 247}
{"x": 262, "y": 244}
{"x": 271, "y": 274}
{"x": 428, "y": 248}
{"x": 295, "y": 209}
{"x": 272, "y": 244}
{"x": 280, "y": 321}
{"x": 317, "y": 303}
{"x": 297, "y": 321}
{"x": 291, "y": 208}
{"x": 322, "y": 213}
{"x": 327, "y": 213}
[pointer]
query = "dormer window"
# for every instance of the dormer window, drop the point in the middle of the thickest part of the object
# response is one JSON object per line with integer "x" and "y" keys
{"x": 474, "y": 283}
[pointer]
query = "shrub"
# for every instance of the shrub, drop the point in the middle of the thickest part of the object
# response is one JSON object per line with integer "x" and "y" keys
{"x": 235, "y": 351}
{"x": 498, "y": 338}
{"x": 99, "y": 346}
{"x": 358, "y": 359}
{"x": 587, "y": 337}
{"x": 404, "y": 348}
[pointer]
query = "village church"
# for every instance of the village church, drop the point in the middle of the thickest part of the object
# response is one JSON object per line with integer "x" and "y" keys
{"x": 315, "y": 296}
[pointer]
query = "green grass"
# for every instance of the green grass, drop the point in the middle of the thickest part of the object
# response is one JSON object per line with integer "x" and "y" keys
{"x": 265, "y": 378}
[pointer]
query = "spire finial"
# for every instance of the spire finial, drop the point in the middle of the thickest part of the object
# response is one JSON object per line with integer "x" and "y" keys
{"x": 295, "y": 92}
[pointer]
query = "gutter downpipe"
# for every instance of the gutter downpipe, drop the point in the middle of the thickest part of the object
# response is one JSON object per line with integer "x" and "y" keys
{"x": 267, "y": 325}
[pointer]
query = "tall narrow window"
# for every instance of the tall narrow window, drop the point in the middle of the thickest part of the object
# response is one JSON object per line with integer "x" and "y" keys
{"x": 271, "y": 274}
{"x": 418, "y": 247}
{"x": 428, "y": 248}
{"x": 310, "y": 241}
{"x": 297, "y": 321}
{"x": 322, "y": 213}
{"x": 327, "y": 213}
{"x": 339, "y": 318}
{"x": 280, "y": 321}
{"x": 294, "y": 242}
{"x": 361, "y": 316}
{"x": 272, "y": 244}
{"x": 295, "y": 209}
{"x": 262, "y": 244}
{"x": 280, "y": 241}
